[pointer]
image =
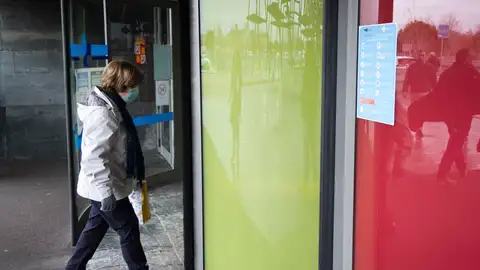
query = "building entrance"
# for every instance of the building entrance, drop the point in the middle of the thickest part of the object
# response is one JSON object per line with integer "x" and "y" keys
{"x": 143, "y": 33}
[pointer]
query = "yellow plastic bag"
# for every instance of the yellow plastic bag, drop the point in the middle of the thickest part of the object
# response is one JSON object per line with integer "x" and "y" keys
{"x": 139, "y": 200}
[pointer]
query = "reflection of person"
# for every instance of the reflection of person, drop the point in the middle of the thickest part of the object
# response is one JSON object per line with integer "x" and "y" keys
{"x": 310, "y": 109}
{"x": 236, "y": 102}
{"x": 419, "y": 80}
{"x": 236, "y": 107}
{"x": 459, "y": 86}
{"x": 434, "y": 61}
{"x": 400, "y": 133}
{"x": 111, "y": 159}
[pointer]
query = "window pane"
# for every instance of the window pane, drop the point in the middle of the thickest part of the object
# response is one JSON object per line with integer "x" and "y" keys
{"x": 417, "y": 181}
{"x": 261, "y": 100}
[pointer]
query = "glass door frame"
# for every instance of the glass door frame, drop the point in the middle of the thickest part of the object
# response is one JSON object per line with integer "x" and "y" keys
{"x": 66, "y": 21}
{"x": 78, "y": 212}
{"x": 168, "y": 154}
{"x": 348, "y": 22}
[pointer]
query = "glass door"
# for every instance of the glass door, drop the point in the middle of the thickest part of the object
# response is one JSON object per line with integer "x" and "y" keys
{"x": 163, "y": 40}
{"x": 88, "y": 56}
{"x": 140, "y": 32}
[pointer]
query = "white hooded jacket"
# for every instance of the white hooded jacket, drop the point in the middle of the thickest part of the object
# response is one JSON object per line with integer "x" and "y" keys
{"x": 103, "y": 150}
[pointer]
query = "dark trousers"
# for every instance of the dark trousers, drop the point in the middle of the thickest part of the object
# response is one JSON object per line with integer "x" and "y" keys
{"x": 124, "y": 221}
{"x": 454, "y": 152}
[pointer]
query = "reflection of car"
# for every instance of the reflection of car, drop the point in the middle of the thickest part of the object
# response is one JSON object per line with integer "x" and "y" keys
{"x": 404, "y": 61}
{"x": 205, "y": 63}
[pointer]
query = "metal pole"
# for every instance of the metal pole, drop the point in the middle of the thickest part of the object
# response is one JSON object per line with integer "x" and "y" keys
{"x": 441, "y": 50}
{"x": 105, "y": 27}
{"x": 65, "y": 6}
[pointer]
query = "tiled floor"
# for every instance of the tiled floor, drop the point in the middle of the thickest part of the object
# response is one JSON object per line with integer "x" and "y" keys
{"x": 162, "y": 236}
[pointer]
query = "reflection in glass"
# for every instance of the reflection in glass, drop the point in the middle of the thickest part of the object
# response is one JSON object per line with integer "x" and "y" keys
{"x": 261, "y": 101}
{"x": 416, "y": 188}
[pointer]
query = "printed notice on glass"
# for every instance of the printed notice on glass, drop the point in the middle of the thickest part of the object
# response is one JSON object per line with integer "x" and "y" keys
{"x": 96, "y": 78}
{"x": 377, "y": 60}
{"x": 82, "y": 84}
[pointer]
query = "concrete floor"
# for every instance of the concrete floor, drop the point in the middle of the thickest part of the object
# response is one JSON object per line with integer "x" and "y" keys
{"x": 34, "y": 222}
{"x": 34, "y": 216}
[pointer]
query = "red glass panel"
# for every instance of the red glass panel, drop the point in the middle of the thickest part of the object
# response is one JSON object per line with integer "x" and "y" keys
{"x": 418, "y": 182}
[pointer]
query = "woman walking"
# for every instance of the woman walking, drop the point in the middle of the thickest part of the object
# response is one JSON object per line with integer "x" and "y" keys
{"x": 111, "y": 162}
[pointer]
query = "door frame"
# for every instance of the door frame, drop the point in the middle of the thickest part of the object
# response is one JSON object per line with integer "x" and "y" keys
{"x": 66, "y": 21}
{"x": 169, "y": 155}
{"x": 191, "y": 23}
{"x": 343, "y": 235}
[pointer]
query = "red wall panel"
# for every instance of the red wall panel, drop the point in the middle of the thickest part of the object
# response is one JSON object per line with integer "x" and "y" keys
{"x": 418, "y": 189}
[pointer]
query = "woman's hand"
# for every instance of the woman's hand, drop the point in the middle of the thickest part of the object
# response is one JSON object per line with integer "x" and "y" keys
{"x": 109, "y": 204}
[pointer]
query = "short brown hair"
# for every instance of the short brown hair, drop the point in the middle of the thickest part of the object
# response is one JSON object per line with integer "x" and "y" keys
{"x": 120, "y": 76}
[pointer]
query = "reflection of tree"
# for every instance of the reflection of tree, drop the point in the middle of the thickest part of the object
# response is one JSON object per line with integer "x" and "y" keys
{"x": 209, "y": 40}
{"x": 457, "y": 39}
{"x": 453, "y": 23}
{"x": 421, "y": 35}
{"x": 278, "y": 48}
{"x": 476, "y": 40}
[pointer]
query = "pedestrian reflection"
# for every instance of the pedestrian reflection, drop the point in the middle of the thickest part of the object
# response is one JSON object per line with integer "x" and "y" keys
{"x": 434, "y": 61}
{"x": 458, "y": 88}
{"x": 454, "y": 101}
{"x": 419, "y": 80}
{"x": 310, "y": 109}
{"x": 402, "y": 139}
{"x": 236, "y": 101}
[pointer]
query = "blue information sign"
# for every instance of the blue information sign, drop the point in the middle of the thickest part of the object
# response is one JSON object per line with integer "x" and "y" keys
{"x": 443, "y": 30}
{"x": 377, "y": 60}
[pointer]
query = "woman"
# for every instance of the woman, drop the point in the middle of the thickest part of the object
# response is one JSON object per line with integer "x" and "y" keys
{"x": 111, "y": 162}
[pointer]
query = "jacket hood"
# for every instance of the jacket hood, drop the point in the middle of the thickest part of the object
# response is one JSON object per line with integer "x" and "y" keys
{"x": 96, "y": 100}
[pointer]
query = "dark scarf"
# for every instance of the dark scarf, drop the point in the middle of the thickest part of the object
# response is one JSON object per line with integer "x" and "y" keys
{"x": 135, "y": 164}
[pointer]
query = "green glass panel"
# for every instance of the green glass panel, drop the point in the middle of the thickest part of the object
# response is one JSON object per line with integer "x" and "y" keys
{"x": 261, "y": 101}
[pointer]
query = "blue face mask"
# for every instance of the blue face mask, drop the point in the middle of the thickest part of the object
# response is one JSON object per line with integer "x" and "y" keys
{"x": 131, "y": 96}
